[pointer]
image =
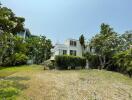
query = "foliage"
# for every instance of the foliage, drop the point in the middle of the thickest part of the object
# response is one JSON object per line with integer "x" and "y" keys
{"x": 105, "y": 44}
{"x": 93, "y": 60}
{"x": 126, "y": 39}
{"x": 19, "y": 59}
{"x": 10, "y": 44}
{"x": 82, "y": 42}
{"x": 63, "y": 62}
{"x": 8, "y": 92}
{"x": 39, "y": 48}
{"x": 16, "y": 50}
{"x": 124, "y": 61}
{"x": 10, "y": 89}
{"x": 9, "y": 22}
{"x": 12, "y": 49}
{"x": 110, "y": 50}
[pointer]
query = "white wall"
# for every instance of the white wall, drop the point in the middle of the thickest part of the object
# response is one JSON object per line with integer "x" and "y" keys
{"x": 58, "y": 49}
{"x": 77, "y": 47}
{"x": 22, "y": 34}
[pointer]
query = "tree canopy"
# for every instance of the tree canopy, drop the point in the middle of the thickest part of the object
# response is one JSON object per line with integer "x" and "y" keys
{"x": 15, "y": 50}
{"x": 110, "y": 50}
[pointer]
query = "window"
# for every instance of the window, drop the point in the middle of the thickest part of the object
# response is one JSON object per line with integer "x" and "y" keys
{"x": 64, "y": 52}
{"x": 73, "y": 43}
{"x": 73, "y": 52}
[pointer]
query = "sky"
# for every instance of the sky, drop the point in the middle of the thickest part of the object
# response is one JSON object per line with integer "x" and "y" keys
{"x": 59, "y": 20}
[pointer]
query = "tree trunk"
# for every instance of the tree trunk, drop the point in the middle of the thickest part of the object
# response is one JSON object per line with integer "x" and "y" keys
{"x": 102, "y": 61}
{"x": 87, "y": 64}
{"x": 1, "y": 60}
{"x": 82, "y": 50}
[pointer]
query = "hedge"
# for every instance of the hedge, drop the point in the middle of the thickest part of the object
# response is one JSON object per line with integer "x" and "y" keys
{"x": 65, "y": 61}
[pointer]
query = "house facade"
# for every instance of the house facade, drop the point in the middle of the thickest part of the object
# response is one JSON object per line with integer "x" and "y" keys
{"x": 70, "y": 47}
{"x": 24, "y": 34}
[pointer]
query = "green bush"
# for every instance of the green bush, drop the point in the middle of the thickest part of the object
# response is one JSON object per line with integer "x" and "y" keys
{"x": 123, "y": 61}
{"x": 15, "y": 59}
{"x": 64, "y": 61}
{"x": 93, "y": 60}
{"x": 20, "y": 59}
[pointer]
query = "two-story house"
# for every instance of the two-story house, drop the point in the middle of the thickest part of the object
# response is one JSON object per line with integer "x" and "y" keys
{"x": 70, "y": 47}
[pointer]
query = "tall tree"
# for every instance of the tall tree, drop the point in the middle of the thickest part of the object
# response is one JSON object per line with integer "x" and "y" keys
{"x": 82, "y": 42}
{"x": 9, "y": 26}
{"x": 105, "y": 44}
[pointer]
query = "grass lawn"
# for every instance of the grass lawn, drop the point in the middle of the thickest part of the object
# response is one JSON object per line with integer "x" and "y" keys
{"x": 33, "y": 83}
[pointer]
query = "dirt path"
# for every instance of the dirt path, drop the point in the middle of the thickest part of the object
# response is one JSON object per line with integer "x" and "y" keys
{"x": 73, "y": 85}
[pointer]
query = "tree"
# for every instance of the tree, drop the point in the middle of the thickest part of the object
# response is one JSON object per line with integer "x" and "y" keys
{"x": 39, "y": 48}
{"x": 9, "y": 22}
{"x": 82, "y": 42}
{"x": 105, "y": 44}
{"x": 12, "y": 47}
{"x": 4, "y": 41}
{"x": 9, "y": 26}
{"x": 15, "y": 50}
{"x": 126, "y": 39}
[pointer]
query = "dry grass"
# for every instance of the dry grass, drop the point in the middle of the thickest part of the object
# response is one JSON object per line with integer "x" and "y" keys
{"x": 75, "y": 85}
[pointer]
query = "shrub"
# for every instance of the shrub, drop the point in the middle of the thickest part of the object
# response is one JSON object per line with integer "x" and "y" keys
{"x": 20, "y": 59}
{"x": 94, "y": 62}
{"x": 64, "y": 61}
{"x": 123, "y": 61}
{"x": 15, "y": 59}
{"x": 7, "y": 61}
{"x": 92, "y": 59}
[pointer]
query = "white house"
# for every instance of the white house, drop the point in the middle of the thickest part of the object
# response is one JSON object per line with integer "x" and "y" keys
{"x": 70, "y": 47}
{"x": 24, "y": 34}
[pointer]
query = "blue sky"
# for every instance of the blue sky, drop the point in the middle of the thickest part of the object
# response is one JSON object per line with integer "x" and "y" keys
{"x": 62, "y": 19}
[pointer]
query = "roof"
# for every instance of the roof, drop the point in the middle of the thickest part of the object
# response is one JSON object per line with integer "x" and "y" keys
{"x": 62, "y": 45}
{"x": 73, "y": 39}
